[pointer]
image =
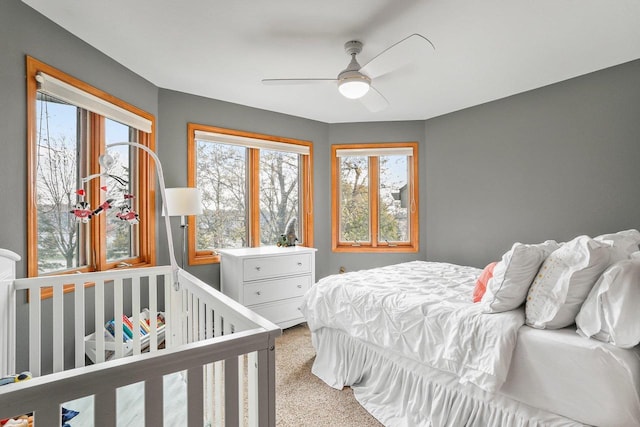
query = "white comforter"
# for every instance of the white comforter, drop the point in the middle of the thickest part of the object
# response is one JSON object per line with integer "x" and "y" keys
{"x": 424, "y": 311}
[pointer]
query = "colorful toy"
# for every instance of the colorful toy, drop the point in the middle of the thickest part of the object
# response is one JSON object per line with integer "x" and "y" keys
{"x": 23, "y": 376}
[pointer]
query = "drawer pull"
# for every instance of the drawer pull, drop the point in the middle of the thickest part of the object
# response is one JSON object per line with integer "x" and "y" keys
{"x": 258, "y": 293}
{"x": 258, "y": 267}
{"x": 299, "y": 286}
{"x": 299, "y": 264}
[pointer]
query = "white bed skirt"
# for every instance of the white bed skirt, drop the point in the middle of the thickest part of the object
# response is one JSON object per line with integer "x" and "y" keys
{"x": 401, "y": 392}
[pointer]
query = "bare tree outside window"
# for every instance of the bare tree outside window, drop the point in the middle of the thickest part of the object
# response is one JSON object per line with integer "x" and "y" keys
{"x": 393, "y": 203}
{"x": 354, "y": 199}
{"x": 279, "y": 194}
{"x": 221, "y": 176}
{"x": 56, "y": 183}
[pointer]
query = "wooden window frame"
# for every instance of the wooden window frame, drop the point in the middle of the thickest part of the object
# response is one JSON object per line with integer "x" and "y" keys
{"x": 374, "y": 245}
{"x": 198, "y": 257}
{"x": 146, "y": 180}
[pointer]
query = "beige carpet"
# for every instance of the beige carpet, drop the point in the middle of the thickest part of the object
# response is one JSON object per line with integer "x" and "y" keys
{"x": 304, "y": 400}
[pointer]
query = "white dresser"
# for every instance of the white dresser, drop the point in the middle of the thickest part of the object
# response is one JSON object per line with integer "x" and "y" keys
{"x": 269, "y": 280}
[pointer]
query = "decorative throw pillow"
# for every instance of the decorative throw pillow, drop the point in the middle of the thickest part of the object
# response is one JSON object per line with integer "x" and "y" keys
{"x": 564, "y": 281}
{"x": 610, "y": 313}
{"x": 624, "y": 243}
{"x": 513, "y": 275}
{"x": 481, "y": 283}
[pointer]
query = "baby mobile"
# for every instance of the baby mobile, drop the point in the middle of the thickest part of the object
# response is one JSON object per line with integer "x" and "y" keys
{"x": 82, "y": 210}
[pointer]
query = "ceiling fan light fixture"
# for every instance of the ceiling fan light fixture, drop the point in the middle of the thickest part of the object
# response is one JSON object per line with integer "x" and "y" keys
{"x": 355, "y": 86}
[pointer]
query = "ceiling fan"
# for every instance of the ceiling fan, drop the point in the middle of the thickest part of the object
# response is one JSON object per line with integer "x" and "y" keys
{"x": 355, "y": 81}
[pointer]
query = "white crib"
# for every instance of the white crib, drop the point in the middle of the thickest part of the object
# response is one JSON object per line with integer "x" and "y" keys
{"x": 226, "y": 350}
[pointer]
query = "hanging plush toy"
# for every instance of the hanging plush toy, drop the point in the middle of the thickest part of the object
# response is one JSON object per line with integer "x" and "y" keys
{"x": 103, "y": 207}
{"x": 126, "y": 214}
{"x": 82, "y": 212}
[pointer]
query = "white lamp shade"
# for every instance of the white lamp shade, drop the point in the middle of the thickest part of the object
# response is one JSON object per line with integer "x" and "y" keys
{"x": 183, "y": 201}
{"x": 353, "y": 88}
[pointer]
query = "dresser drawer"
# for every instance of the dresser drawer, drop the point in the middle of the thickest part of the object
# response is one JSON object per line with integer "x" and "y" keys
{"x": 280, "y": 312}
{"x": 277, "y": 289}
{"x": 275, "y": 266}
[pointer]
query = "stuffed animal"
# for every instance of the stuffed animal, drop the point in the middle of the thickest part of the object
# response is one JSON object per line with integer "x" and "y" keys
{"x": 290, "y": 232}
{"x": 289, "y": 237}
{"x": 23, "y": 376}
{"x": 82, "y": 212}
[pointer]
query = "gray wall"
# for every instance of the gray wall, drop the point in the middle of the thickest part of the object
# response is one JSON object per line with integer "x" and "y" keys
{"x": 26, "y": 32}
{"x": 176, "y": 109}
{"x": 347, "y": 133}
{"x": 550, "y": 163}
{"x": 547, "y": 164}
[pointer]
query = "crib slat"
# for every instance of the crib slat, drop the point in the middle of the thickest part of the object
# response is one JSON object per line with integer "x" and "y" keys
{"x": 117, "y": 316}
{"x": 78, "y": 310}
{"x": 218, "y": 394}
{"x": 185, "y": 316}
{"x": 190, "y": 317}
{"x": 231, "y": 415}
{"x": 135, "y": 308}
{"x": 209, "y": 320}
{"x": 169, "y": 323}
{"x": 105, "y": 409}
{"x": 202, "y": 314}
{"x": 153, "y": 402}
{"x": 195, "y": 408}
{"x": 153, "y": 313}
{"x": 252, "y": 384}
{"x": 240, "y": 385}
{"x": 47, "y": 416}
{"x": 34, "y": 332}
{"x": 99, "y": 319}
{"x": 58, "y": 328}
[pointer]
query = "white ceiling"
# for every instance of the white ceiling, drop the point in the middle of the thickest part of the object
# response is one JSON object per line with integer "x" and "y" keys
{"x": 485, "y": 50}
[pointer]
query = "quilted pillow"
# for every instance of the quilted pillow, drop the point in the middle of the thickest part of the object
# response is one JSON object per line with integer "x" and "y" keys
{"x": 481, "y": 283}
{"x": 513, "y": 275}
{"x": 564, "y": 281}
{"x": 610, "y": 313}
{"x": 624, "y": 243}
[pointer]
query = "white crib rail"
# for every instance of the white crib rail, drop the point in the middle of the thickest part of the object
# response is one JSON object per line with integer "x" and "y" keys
{"x": 218, "y": 341}
{"x": 8, "y": 261}
{"x": 45, "y": 394}
{"x": 39, "y": 318}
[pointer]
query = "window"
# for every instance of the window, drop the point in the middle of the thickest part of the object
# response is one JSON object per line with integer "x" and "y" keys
{"x": 252, "y": 187}
{"x": 69, "y": 125}
{"x": 375, "y": 197}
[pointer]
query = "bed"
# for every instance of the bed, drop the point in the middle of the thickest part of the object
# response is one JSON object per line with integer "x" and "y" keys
{"x": 416, "y": 350}
{"x": 211, "y": 356}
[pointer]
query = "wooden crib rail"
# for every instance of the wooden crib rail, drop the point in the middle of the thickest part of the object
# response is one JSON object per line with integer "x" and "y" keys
{"x": 45, "y": 395}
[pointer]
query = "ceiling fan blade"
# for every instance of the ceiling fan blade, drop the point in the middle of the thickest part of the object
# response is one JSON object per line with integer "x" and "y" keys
{"x": 398, "y": 55}
{"x": 296, "y": 81}
{"x": 374, "y": 101}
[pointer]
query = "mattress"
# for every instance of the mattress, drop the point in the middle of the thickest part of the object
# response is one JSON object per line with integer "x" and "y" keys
{"x": 587, "y": 380}
{"x": 400, "y": 392}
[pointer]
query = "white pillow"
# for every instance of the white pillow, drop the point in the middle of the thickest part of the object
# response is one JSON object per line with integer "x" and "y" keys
{"x": 610, "y": 313}
{"x": 512, "y": 276}
{"x": 564, "y": 281}
{"x": 624, "y": 243}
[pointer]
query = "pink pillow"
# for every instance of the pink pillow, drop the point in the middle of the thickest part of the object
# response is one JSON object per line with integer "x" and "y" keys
{"x": 481, "y": 284}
